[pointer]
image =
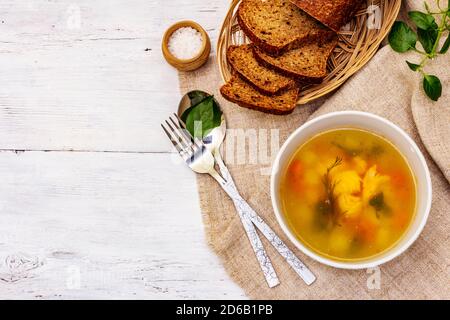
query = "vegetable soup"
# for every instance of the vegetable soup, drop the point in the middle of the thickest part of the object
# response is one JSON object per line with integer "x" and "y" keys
{"x": 348, "y": 194}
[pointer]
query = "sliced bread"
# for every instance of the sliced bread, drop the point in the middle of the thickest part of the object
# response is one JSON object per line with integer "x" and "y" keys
{"x": 265, "y": 80}
{"x": 334, "y": 14}
{"x": 242, "y": 93}
{"x": 307, "y": 64}
{"x": 278, "y": 25}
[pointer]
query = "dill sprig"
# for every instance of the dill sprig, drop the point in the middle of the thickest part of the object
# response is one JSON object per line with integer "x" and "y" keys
{"x": 330, "y": 185}
{"x": 326, "y": 207}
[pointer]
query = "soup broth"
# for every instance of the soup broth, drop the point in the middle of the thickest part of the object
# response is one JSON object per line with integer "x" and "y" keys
{"x": 348, "y": 194}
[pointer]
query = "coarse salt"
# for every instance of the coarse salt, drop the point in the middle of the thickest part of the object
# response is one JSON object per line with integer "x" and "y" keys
{"x": 185, "y": 43}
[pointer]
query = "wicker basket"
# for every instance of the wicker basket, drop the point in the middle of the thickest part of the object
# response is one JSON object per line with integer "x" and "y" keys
{"x": 358, "y": 42}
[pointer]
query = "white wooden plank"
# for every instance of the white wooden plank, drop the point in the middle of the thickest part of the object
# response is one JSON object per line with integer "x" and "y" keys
{"x": 128, "y": 223}
{"x": 94, "y": 87}
{"x": 101, "y": 87}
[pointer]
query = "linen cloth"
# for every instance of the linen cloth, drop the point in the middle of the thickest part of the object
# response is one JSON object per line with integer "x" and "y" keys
{"x": 386, "y": 87}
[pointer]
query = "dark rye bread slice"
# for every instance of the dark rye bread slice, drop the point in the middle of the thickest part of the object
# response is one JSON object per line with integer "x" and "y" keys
{"x": 277, "y": 26}
{"x": 334, "y": 14}
{"x": 265, "y": 80}
{"x": 307, "y": 64}
{"x": 242, "y": 93}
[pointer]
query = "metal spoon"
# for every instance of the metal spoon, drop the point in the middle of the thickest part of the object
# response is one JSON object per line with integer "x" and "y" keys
{"x": 212, "y": 142}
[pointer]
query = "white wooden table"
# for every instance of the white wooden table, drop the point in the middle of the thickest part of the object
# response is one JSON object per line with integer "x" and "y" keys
{"x": 91, "y": 203}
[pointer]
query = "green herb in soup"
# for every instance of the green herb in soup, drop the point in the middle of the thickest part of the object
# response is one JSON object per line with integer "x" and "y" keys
{"x": 348, "y": 194}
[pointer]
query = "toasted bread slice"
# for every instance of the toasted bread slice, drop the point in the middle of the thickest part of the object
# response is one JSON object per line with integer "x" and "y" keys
{"x": 265, "y": 80}
{"x": 277, "y": 26}
{"x": 307, "y": 64}
{"x": 239, "y": 91}
{"x": 334, "y": 14}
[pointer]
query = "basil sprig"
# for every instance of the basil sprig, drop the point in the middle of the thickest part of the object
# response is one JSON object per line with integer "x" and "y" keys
{"x": 403, "y": 38}
{"x": 203, "y": 116}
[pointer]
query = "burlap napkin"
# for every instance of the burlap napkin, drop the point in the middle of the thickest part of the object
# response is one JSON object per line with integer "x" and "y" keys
{"x": 385, "y": 86}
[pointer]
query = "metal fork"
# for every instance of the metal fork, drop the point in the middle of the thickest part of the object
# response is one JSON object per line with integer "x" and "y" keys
{"x": 200, "y": 160}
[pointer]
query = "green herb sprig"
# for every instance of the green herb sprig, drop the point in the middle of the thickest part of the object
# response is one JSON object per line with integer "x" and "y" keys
{"x": 429, "y": 33}
{"x": 203, "y": 116}
{"x": 325, "y": 208}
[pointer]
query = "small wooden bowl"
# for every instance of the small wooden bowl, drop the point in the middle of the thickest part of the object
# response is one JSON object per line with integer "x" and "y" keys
{"x": 186, "y": 64}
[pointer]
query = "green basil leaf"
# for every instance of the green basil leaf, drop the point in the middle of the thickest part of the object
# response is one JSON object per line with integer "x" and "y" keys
{"x": 432, "y": 86}
{"x": 427, "y": 38}
{"x": 446, "y": 45}
{"x": 377, "y": 201}
{"x": 196, "y": 97}
{"x": 203, "y": 117}
{"x": 402, "y": 38}
{"x": 423, "y": 20}
{"x": 413, "y": 66}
